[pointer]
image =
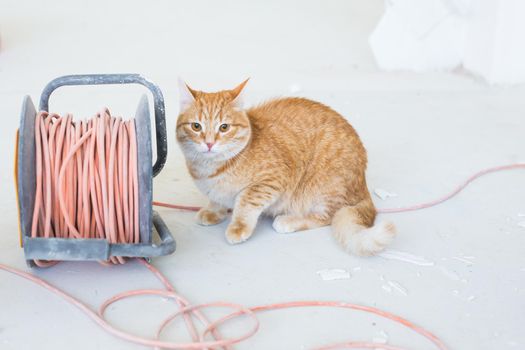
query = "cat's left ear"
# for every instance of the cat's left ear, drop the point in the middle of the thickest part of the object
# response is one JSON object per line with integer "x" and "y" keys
{"x": 238, "y": 95}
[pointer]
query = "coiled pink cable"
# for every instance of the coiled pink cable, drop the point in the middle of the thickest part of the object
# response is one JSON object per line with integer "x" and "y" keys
{"x": 86, "y": 179}
{"x": 87, "y": 188}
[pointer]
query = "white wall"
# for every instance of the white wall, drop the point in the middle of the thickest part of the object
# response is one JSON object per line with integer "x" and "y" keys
{"x": 209, "y": 42}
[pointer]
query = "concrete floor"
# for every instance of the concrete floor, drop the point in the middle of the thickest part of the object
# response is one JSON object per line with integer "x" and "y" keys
{"x": 424, "y": 133}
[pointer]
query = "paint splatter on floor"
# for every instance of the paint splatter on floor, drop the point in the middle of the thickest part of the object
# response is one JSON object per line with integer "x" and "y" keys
{"x": 405, "y": 257}
{"x": 463, "y": 260}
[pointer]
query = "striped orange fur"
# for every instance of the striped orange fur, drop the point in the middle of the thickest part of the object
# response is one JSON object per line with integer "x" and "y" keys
{"x": 293, "y": 159}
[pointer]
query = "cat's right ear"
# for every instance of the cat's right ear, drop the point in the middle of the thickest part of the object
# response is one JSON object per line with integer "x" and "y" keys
{"x": 186, "y": 96}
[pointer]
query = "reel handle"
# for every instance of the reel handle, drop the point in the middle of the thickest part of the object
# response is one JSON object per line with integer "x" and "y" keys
{"x": 117, "y": 79}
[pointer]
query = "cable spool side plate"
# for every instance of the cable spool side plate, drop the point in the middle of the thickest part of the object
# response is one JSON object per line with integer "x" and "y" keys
{"x": 145, "y": 176}
{"x": 26, "y": 167}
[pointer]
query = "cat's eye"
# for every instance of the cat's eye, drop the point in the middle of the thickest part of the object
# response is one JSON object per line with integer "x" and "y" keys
{"x": 224, "y": 127}
{"x": 196, "y": 127}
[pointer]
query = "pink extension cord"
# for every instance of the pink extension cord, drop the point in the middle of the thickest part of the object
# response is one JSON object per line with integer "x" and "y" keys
{"x": 104, "y": 210}
{"x": 402, "y": 209}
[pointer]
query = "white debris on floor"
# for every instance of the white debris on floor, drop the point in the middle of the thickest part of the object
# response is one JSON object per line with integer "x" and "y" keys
{"x": 380, "y": 338}
{"x": 398, "y": 287}
{"x": 333, "y": 274}
{"x": 384, "y": 194}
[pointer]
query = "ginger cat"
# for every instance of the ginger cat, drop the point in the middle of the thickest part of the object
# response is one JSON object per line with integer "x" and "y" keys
{"x": 293, "y": 159}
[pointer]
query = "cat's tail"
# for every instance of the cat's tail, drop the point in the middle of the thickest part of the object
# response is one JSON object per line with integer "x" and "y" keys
{"x": 353, "y": 227}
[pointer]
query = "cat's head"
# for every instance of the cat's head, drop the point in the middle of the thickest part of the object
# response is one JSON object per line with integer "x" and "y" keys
{"x": 212, "y": 125}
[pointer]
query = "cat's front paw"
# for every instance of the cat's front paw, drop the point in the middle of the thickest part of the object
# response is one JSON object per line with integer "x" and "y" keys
{"x": 285, "y": 224}
{"x": 209, "y": 217}
{"x": 238, "y": 232}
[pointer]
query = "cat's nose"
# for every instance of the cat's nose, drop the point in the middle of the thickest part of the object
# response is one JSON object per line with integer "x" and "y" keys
{"x": 210, "y": 145}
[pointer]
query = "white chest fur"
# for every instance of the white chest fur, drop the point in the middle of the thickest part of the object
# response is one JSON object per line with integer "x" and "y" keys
{"x": 222, "y": 188}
